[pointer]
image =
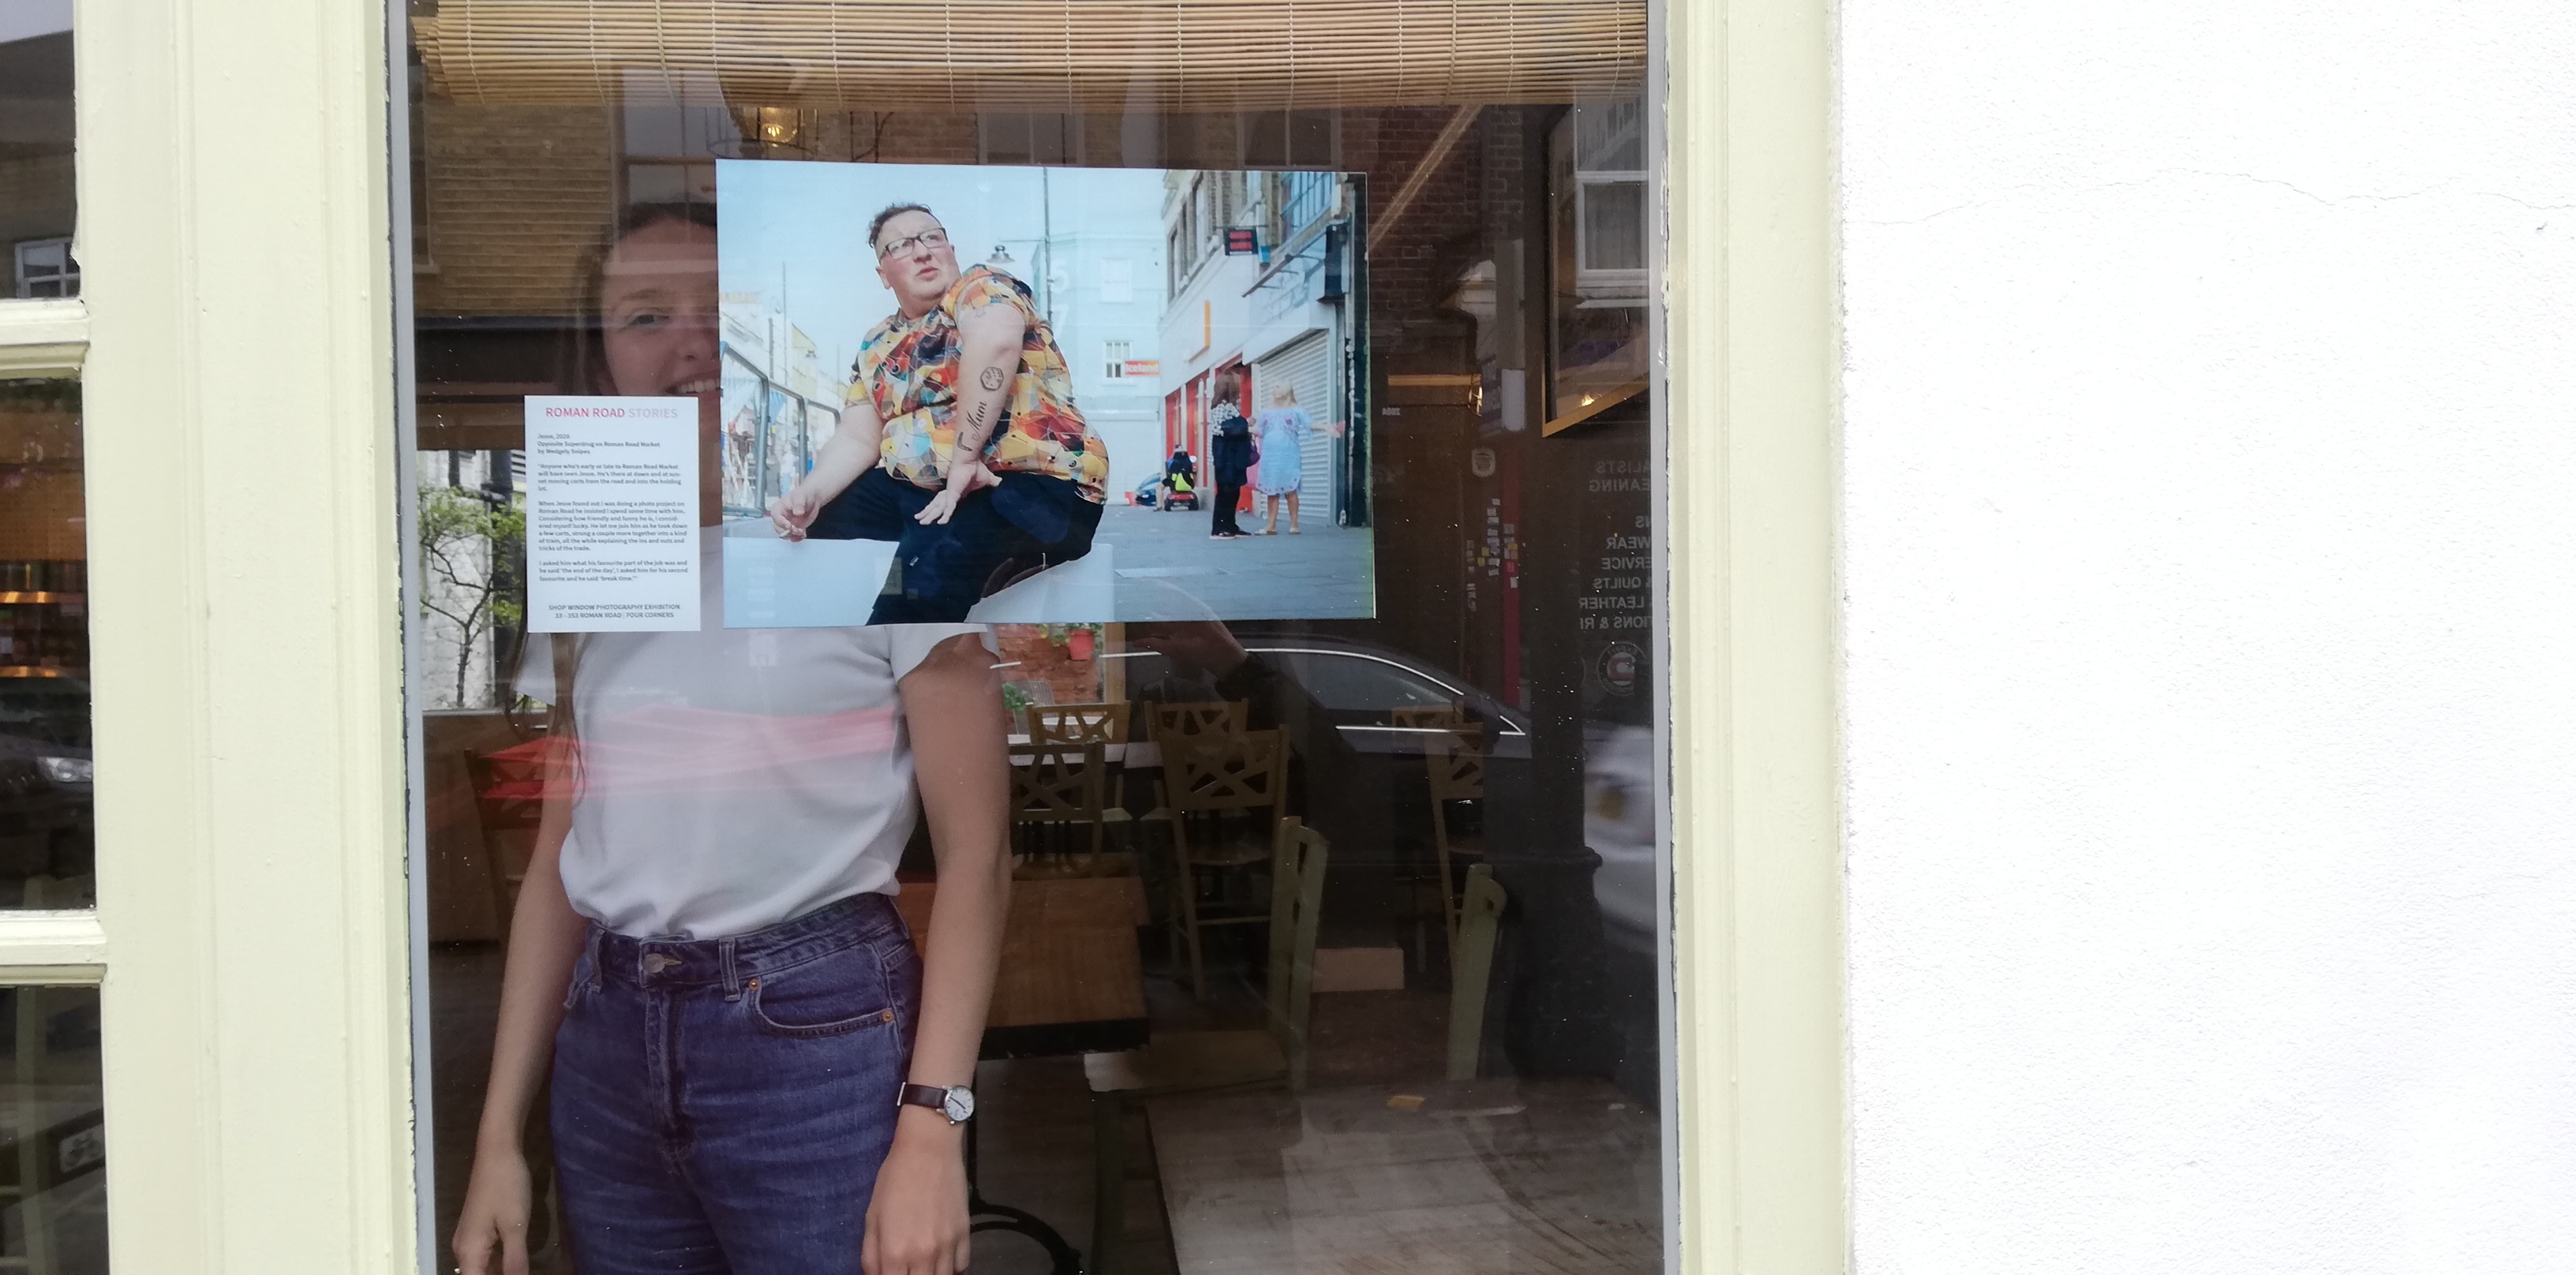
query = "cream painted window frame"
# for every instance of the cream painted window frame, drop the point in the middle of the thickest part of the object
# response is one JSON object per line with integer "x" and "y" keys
{"x": 238, "y": 420}
{"x": 240, "y": 416}
{"x": 1753, "y": 632}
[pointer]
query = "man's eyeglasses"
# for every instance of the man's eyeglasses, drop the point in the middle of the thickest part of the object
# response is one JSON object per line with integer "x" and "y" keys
{"x": 933, "y": 237}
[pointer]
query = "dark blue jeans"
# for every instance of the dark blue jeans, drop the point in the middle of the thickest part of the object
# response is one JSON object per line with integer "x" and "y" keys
{"x": 722, "y": 1105}
{"x": 1029, "y": 520}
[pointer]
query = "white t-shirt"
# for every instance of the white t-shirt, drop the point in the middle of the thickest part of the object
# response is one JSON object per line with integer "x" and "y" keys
{"x": 735, "y": 778}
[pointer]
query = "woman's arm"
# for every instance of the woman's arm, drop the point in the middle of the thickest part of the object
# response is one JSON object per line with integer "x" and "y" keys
{"x": 952, "y": 706}
{"x": 989, "y": 338}
{"x": 545, "y": 938}
{"x": 848, "y": 453}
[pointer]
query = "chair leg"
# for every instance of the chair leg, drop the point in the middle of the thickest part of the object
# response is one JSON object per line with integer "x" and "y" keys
{"x": 1185, "y": 905}
{"x": 1109, "y": 1181}
{"x": 1448, "y": 881}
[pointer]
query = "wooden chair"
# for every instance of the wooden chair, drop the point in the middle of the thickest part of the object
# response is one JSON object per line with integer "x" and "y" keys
{"x": 1069, "y": 724}
{"x": 1064, "y": 787}
{"x": 1212, "y": 786}
{"x": 1455, "y": 766}
{"x": 1172, "y": 721}
{"x": 1471, "y": 968}
{"x": 1189, "y": 1062}
{"x": 497, "y": 812}
{"x": 1170, "y": 725}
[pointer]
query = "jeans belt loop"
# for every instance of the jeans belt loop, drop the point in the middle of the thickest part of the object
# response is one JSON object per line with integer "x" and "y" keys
{"x": 591, "y": 945}
{"x": 724, "y": 957}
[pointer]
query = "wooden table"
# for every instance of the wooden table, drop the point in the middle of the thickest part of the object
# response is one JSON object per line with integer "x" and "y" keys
{"x": 1492, "y": 1175}
{"x": 1069, "y": 981}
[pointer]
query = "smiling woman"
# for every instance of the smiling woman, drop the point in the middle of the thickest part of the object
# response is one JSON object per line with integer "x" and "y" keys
{"x": 780, "y": 973}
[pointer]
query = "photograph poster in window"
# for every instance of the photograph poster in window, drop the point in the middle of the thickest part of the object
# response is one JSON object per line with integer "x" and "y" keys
{"x": 878, "y": 320}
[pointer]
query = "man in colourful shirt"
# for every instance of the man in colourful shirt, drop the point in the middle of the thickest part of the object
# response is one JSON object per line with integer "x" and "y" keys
{"x": 960, "y": 440}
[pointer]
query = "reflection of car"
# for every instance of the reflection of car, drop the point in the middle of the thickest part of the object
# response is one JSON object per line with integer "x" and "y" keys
{"x": 45, "y": 806}
{"x": 1619, "y": 825}
{"x": 1359, "y": 687}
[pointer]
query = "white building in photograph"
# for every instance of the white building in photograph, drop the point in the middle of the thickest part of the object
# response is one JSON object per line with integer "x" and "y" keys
{"x": 1099, "y": 282}
{"x": 1271, "y": 308}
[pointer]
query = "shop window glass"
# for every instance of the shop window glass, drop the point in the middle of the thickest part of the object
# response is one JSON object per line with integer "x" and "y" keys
{"x": 53, "y": 1181}
{"x": 36, "y": 195}
{"x": 1388, "y": 982}
{"x": 45, "y": 769}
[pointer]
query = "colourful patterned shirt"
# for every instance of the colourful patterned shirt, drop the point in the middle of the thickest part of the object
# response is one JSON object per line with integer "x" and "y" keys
{"x": 909, "y": 370}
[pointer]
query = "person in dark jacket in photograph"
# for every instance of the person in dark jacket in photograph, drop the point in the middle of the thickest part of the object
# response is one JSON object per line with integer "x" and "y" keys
{"x": 1230, "y": 458}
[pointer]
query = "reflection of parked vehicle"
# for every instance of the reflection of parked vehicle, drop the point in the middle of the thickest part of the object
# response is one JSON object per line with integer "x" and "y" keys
{"x": 45, "y": 807}
{"x": 1360, "y": 686}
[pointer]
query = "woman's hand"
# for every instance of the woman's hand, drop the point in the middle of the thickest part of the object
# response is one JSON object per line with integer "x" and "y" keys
{"x": 495, "y": 1215}
{"x": 917, "y": 1222}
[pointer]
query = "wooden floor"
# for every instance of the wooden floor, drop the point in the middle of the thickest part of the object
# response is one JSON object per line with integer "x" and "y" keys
{"x": 1490, "y": 1176}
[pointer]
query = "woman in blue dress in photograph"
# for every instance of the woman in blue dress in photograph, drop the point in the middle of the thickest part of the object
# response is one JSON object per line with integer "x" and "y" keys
{"x": 1280, "y": 430}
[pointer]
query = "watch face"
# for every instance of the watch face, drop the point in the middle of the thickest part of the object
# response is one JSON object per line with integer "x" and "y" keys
{"x": 960, "y": 1104}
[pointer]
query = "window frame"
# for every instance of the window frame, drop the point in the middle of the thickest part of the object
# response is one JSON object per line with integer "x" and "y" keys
{"x": 252, "y": 811}
{"x": 255, "y": 1018}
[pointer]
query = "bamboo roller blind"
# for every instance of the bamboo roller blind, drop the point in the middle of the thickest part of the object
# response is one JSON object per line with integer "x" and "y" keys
{"x": 1058, "y": 55}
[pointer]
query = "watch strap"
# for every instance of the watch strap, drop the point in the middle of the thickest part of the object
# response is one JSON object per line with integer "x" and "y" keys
{"x": 934, "y": 1097}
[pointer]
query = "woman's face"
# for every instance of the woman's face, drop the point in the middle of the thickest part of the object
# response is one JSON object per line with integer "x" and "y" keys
{"x": 657, "y": 311}
{"x": 922, "y": 272}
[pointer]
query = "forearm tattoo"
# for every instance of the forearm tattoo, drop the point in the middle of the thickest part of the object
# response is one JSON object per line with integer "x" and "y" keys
{"x": 992, "y": 378}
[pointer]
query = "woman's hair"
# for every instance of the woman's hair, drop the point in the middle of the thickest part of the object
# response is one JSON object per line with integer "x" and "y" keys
{"x": 876, "y": 224}
{"x": 1229, "y": 388}
{"x": 582, "y": 368}
{"x": 1286, "y": 393}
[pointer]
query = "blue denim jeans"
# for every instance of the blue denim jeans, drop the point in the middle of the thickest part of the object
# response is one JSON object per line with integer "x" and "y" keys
{"x": 722, "y": 1105}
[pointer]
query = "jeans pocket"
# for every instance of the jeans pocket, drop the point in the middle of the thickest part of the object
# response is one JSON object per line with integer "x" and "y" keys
{"x": 583, "y": 975}
{"x": 830, "y": 995}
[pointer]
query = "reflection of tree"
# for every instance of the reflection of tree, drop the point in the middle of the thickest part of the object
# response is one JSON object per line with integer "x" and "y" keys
{"x": 469, "y": 549}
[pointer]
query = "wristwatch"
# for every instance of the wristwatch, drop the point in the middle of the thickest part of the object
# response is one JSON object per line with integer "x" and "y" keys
{"x": 957, "y": 1102}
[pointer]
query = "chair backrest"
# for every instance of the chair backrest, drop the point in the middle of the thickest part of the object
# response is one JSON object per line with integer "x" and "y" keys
{"x": 1078, "y": 723}
{"x": 1455, "y": 762}
{"x": 1245, "y": 771}
{"x": 1297, "y": 861}
{"x": 1171, "y": 722}
{"x": 1471, "y": 967}
{"x": 1054, "y": 783}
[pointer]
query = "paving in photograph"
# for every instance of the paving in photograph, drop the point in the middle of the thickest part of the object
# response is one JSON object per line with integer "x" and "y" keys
{"x": 1168, "y": 569}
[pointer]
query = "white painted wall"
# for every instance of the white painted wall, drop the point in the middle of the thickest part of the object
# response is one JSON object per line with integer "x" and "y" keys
{"x": 2211, "y": 503}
